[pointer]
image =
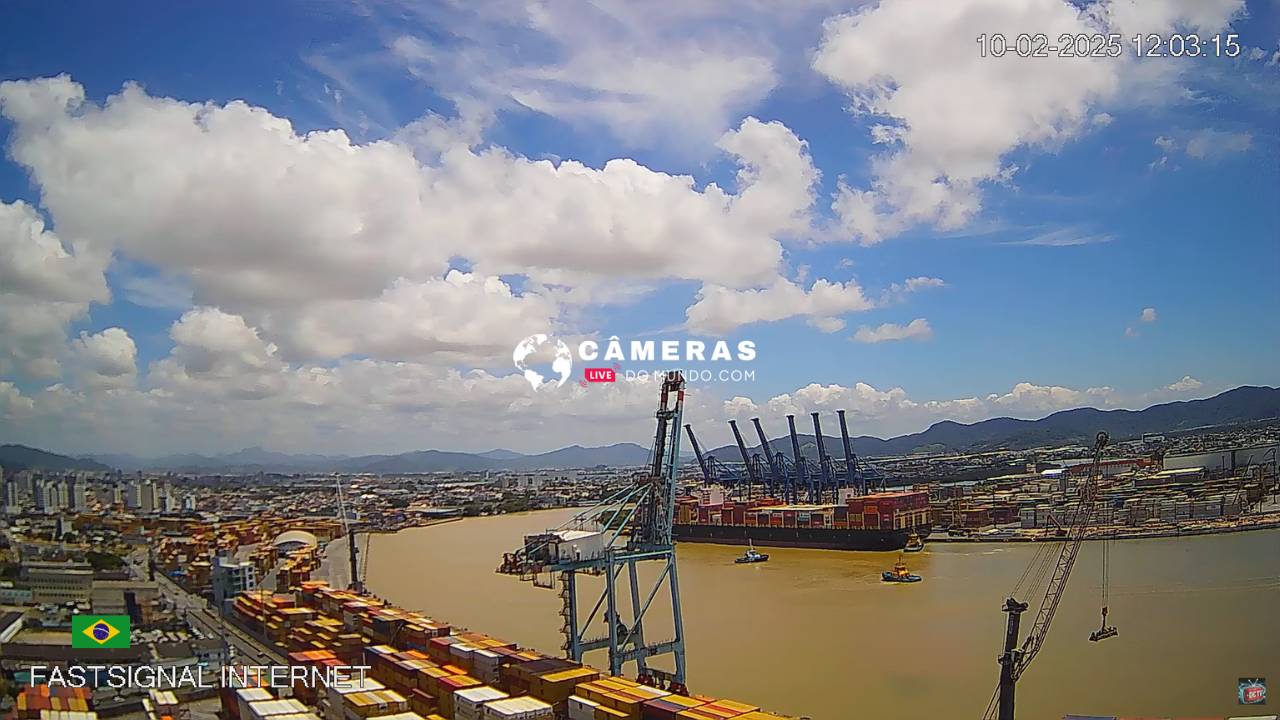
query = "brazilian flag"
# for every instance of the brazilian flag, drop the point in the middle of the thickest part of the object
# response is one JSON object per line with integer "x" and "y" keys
{"x": 99, "y": 631}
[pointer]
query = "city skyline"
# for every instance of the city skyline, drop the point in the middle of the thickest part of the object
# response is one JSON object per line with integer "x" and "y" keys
{"x": 325, "y": 230}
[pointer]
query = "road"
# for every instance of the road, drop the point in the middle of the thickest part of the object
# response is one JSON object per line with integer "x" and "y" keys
{"x": 247, "y": 650}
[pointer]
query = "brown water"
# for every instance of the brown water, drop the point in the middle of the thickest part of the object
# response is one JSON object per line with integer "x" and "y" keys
{"x": 816, "y": 633}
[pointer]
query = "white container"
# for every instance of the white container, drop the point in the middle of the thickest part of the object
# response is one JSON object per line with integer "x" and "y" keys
{"x": 575, "y": 545}
{"x": 469, "y": 704}
{"x": 485, "y": 665}
{"x": 582, "y": 708}
{"x": 518, "y": 708}
{"x": 244, "y": 696}
{"x": 347, "y": 686}
{"x": 267, "y": 708}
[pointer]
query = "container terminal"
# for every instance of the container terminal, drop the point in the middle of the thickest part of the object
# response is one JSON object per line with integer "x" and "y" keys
{"x": 259, "y": 568}
{"x": 421, "y": 668}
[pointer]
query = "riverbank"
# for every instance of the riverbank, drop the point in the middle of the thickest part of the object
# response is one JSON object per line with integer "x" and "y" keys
{"x": 1270, "y": 521}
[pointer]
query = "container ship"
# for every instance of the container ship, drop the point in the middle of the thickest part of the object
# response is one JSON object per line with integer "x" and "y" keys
{"x": 878, "y": 521}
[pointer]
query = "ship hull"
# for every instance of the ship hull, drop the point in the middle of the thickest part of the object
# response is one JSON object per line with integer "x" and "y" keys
{"x": 822, "y": 538}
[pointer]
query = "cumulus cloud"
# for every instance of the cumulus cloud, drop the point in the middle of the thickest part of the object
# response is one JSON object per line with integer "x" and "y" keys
{"x": 1186, "y": 384}
{"x": 222, "y": 388}
{"x": 954, "y": 116}
{"x": 44, "y": 286}
{"x": 719, "y": 309}
{"x": 107, "y": 359}
{"x": 1148, "y": 315}
{"x": 329, "y": 246}
{"x": 917, "y": 329}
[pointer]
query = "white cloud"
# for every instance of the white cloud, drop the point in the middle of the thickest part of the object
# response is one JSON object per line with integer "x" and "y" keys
{"x": 957, "y": 115}
{"x": 1206, "y": 144}
{"x": 44, "y": 286}
{"x": 672, "y": 76}
{"x": 1186, "y": 384}
{"x": 155, "y": 292}
{"x": 108, "y": 359}
{"x": 917, "y": 329}
{"x": 719, "y": 309}
{"x": 1066, "y": 237}
{"x": 417, "y": 321}
{"x": 13, "y": 405}
{"x": 1148, "y": 315}
{"x": 324, "y": 244}
{"x": 899, "y": 292}
{"x": 1213, "y": 144}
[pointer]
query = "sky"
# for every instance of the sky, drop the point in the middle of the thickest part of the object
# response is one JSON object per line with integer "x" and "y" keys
{"x": 324, "y": 226}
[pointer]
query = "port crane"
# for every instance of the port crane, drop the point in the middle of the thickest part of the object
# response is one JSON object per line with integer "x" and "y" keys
{"x": 792, "y": 479}
{"x": 631, "y": 527}
{"x": 1015, "y": 659}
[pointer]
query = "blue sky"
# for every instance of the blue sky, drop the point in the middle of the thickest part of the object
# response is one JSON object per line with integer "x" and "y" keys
{"x": 1152, "y": 185}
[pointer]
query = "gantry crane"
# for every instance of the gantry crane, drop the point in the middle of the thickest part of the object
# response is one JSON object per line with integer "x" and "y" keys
{"x": 1014, "y": 660}
{"x": 794, "y": 479}
{"x": 632, "y": 526}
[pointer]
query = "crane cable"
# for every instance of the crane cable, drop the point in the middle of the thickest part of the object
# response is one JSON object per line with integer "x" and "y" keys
{"x": 1106, "y": 569}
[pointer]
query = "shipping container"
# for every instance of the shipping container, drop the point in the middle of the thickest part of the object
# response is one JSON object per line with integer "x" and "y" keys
{"x": 468, "y": 703}
{"x": 518, "y": 708}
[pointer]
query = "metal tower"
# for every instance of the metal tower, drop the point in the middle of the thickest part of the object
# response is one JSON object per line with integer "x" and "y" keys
{"x": 630, "y": 527}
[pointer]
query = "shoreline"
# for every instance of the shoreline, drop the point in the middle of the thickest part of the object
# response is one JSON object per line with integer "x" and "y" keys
{"x": 1173, "y": 532}
{"x": 1271, "y": 522}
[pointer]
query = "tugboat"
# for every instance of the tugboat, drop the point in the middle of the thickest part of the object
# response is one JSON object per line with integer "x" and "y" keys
{"x": 899, "y": 574}
{"x": 914, "y": 543}
{"x": 751, "y": 556}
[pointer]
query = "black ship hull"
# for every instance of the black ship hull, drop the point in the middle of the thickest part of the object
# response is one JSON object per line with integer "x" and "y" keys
{"x": 823, "y": 538}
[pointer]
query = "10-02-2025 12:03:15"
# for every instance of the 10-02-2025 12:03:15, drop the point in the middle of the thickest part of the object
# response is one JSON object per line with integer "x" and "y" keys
{"x": 1112, "y": 45}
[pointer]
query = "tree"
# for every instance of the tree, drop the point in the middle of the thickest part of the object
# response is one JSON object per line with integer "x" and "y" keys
{"x": 103, "y": 561}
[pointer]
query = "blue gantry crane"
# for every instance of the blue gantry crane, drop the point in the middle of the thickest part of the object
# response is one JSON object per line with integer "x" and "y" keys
{"x": 791, "y": 479}
{"x": 630, "y": 527}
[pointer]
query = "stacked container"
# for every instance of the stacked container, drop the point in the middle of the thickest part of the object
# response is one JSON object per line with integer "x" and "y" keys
{"x": 518, "y": 708}
{"x": 469, "y": 704}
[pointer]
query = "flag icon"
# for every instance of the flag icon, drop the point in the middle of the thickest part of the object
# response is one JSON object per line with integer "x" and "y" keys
{"x": 99, "y": 631}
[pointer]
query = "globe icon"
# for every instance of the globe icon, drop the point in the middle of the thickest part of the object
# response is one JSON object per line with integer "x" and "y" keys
{"x": 560, "y": 367}
{"x": 102, "y": 632}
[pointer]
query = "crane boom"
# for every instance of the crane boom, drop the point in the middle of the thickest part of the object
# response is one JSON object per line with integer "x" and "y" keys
{"x": 1077, "y": 527}
{"x": 1015, "y": 660}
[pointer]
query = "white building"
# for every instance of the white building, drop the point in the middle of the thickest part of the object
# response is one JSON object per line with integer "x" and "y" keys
{"x": 230, "y": 578}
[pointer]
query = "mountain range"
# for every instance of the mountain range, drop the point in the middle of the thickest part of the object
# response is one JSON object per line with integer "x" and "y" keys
{"x": 1239, "y": 406}
{"x": 1067, "y": 427}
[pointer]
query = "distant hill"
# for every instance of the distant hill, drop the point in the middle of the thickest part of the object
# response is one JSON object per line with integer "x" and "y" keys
{"x": 252, "y": 460}
{"x": 21, "y": 457}
{"x": 1233, "y": 407}
{"x": 501, "y": 454}
{"x": 1242, "y": 405}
